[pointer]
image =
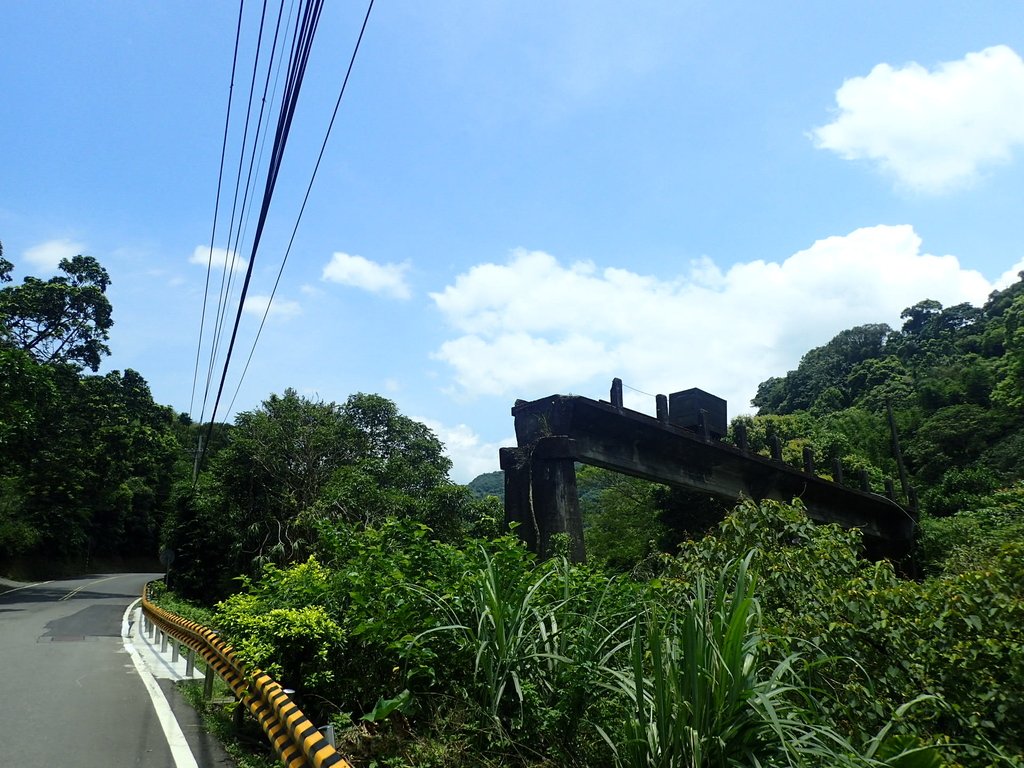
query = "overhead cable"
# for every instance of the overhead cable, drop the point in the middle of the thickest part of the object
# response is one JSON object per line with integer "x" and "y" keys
{"x": 306, "y": 25}
{"x": 216, "y": 211}
{"x": 305, "y": 199}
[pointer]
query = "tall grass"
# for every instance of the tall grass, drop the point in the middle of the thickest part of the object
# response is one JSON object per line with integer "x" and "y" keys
{"x": 684, "y": 685}
{"x": 691, "y": 678}
{"x": 700, "y": 696}
{"x": 503, "y": 628}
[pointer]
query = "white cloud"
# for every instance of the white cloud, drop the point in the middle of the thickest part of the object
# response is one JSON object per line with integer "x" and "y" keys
{"x": 533, "y": 326}
{"x": 220, "y": 259}
{"x": 386, "y": 279}
{"x": 470, "y": 457}
{"x": 256, "y": 304}
{"x": 48, "y": 255}
{"x": 1010, "y": 276}
{"x": 933, "y": 130}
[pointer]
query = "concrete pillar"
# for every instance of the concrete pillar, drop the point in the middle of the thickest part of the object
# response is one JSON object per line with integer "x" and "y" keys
{"x": 518, "y": 503}
{"x": 616, "y": 393}
{"x": 661, "y": 408}
{"x": 556, "y": 505}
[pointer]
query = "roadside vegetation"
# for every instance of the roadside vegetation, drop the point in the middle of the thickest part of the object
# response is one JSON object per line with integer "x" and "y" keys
{"x": 327, "y": 543}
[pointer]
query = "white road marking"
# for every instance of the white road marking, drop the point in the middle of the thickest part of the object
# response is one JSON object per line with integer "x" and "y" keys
{"x": 24, "y": 586}
{"x": 180, "y": 751}
{"x": 76, "y": 590}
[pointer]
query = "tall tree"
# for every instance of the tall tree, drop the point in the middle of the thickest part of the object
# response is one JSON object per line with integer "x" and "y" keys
{"x": 5, "y": 267}
{"x": 64, "y": 319}
{"x": 292, "y": 464}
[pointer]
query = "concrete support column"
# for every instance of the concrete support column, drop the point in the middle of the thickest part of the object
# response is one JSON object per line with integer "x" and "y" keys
{"x": 554, "y": 491}
{"x": 515, "y": 462}
{"x": 540, "y": 495}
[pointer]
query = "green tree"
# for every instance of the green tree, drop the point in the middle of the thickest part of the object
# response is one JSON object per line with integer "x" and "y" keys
{"x": 823, "y": 368}
{"x": 5, "y": 267}
{"x": 951, "y": 437}
{"x": 64, "y": 319}
{"x": 293, "y": 463}
{"x": 88, "y": 462}
{"x": 1010, "y": 389}
{"x": 919, "y": 319}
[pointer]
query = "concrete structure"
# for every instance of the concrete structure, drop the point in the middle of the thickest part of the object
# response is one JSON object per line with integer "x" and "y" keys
{"x": 555, "y": 432}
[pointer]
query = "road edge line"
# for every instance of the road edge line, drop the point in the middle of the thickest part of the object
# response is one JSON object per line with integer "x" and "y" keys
{"x": 176, "y": 741}
{"x": 25, "y": 586}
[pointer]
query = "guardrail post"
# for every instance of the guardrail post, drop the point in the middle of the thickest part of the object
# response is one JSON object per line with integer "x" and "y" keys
{"x": 190, "y": 662}
{"x": 163, "y": 642}
{"x": 208, "y": 683}
{"x": 328, "y": 733}
{"x": 238, "y": 714}
{"x": 175, "y": 650}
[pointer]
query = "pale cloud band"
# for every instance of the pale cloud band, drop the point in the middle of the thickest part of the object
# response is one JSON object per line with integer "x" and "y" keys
{"x": 533, "y": 326}
{"x": 932, "y": 130}
{"x": 219, "y": 259}
{"x": 470, "y": 455}
{"x": 47, "y": 256}
{"x": 256, "y": 304}
{"x": 358, "y": 272}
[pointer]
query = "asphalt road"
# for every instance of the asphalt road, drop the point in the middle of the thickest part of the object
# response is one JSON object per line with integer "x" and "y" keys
{"x": 71, "y": 694}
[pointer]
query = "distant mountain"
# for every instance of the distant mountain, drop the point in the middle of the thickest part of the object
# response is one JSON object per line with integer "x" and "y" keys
{"x": 488, "y": 484}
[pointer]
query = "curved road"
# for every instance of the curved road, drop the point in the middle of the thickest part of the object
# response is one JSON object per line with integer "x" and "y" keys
{"x": 71, "y": 693}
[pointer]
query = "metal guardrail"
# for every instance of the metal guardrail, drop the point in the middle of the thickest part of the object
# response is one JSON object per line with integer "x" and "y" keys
{"x": 296, "y": 740}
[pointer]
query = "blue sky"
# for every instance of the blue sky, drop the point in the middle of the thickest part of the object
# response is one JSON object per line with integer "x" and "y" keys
{"x": 524, "y": 198}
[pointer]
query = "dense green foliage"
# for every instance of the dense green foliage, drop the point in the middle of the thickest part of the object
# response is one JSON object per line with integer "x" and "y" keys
{"x": 768, "y": 641}
{"x": 87, "y": 462}
{"x": 952, "y": 377}
{"x": 292, "y": 464}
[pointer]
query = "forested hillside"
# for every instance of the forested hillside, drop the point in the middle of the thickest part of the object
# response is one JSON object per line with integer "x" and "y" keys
{"x": 954, "y": 379}
{"x": 87, "y": 462}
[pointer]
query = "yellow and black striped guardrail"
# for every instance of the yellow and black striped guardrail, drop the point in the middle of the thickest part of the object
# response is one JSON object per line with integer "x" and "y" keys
{"x": 297, "y": 742}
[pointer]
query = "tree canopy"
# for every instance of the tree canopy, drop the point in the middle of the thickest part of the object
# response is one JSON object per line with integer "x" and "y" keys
{"x": 293, "y": 464}
{"x": 953, "y": 377}
{"x": 65, "y": 319}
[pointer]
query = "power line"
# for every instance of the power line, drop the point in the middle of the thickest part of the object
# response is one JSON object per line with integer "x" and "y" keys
{"x": 235, "y": 228}
{"x": 216, "y": 209}
{"x": 301, "y": 37}
{"x": 305, "y": 200}
{"x": 305, "y": 30}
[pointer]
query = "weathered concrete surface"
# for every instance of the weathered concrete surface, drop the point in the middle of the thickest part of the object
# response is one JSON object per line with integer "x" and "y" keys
{"x": 558, "y": 430}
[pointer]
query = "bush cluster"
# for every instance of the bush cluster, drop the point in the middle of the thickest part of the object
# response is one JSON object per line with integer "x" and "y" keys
{"x": 767, "y": 642}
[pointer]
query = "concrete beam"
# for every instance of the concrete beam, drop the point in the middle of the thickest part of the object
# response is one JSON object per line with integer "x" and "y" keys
{"x": 572, "y": 428}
